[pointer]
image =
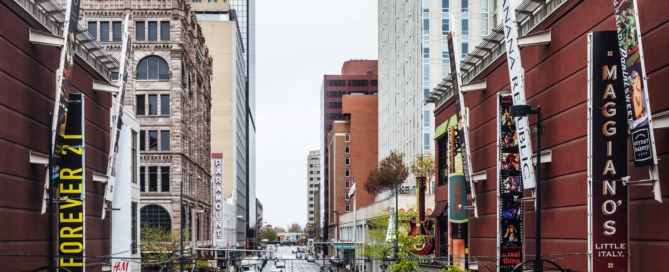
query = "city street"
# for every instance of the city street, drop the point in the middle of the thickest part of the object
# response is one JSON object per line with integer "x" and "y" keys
{"x": 292, "y": 264}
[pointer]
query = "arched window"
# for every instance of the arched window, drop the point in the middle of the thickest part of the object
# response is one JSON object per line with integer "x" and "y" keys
{"x": 152, "y": 67}
{"x": 155, "y": 215}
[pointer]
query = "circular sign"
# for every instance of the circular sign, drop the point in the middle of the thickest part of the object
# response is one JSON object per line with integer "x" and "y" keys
{"x": 402, "y": 210}
{"x": 428, "y": 211}
{"x": 410, "y": 210}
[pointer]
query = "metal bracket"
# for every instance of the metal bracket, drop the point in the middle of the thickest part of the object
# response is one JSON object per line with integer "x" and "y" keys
{"x": 466, "y": 207}
{"x": 525, "y": 199}
{"x": 546, "y": 157}
{"x": 537, "y": 38}
{"x": 43, "y": 38}
{"x": 99, "y": 177}
{"x": 480, "y": 176}
{"x": 643, "y": 182}
{"x": 473, "y": 86}
{"x": 38, "y": 158}
{"x": 112, "y": 209}
{"x": 100, "y": 86}
{"x": 661, "y": 120}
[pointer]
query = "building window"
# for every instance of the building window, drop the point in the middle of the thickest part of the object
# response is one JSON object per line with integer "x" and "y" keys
{"x": 347, "y": 161}
{"x": 156, "y": 216}
{"x": 348, "y": 207}
{"x": 465, "y": 50}
{"x": 335, "y": 82}
{"x": 358, "y": 83}
{"x": 311, "y": 199}
{"x": 164, "y": 31}
{"x": 165, "y": 179}
{"x": 347, "y": 172}
{"x": 152, "y": 67}
{"x": 140, "y": 31}
{"x": 165, "y": 104}
{"x": 442, "y": 161}
{"x": 465, "y": 5}
{"x": 334, "y": 105}
{"x": 133, "y": 160}
{"x": 153, "y": 179}
{"x": 142, "y": 140}
{"x": 93, "y": 29}
{"x": 347, "y": 137}
{"x": 133, "y": 228}
{"x": 104, "y": 31}
{"x": 153, "y": 31}
{"x": 347, "y": 184}
{"x": 140, "y": 105}
{"x": 346, "y": 196}
{"x": 465, "y": 27}
{"x": 116, "y": 31}
{"x": 311, "y": 212}
{"x": 347, "y": 149}
{"x": 444, "y": 5}
{"x": 165, "y": 140}
{"x": 142, "y": 177}
{"x": 153, "y": 104}
{"x": 153, "y": 140}
{"x": 444, "y": 26}
{"x": 311, "y": 205}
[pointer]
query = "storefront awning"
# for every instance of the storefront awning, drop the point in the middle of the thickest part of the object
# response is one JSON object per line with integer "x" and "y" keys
{"x": 441, "y": 130}
{"x": 439, "y": 209}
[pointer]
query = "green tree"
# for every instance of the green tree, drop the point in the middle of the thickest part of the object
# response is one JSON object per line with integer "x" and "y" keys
{"x": 160, "y": 248}
{"x": 380, "y": 248}
{"x": 423, "y": 165}
{"x": 383, "y": 178}
{"x": 269, "y": 234}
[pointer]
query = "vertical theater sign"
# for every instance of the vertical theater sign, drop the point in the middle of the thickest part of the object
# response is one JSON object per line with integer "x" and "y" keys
{"x": 636, "y": 91}
{"x": 509, "y": 188}
{"x": 608, "y": 203}
{"x": 217, "y": 195}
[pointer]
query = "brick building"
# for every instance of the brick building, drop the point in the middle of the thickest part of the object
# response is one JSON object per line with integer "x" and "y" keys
{"x": 358, "y": 77}
{"x": 169, "y": 89}
{"x": 340, "y": 175}
{"x": 556, "y": 78}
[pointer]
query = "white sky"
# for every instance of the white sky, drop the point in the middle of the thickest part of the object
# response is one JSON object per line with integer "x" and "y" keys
{"x": 297, "y": 42}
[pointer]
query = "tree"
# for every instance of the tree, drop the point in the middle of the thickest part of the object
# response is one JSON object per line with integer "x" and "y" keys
{"x": 423, "y": 165}
{"x": 160, "y": 248}
{"x": 278, "y": 229}
{"x": 269, "y": 234}
{"x": 383, "y": 178}
{"x": 379, "y": 248}
{"x": 294, "y": 228}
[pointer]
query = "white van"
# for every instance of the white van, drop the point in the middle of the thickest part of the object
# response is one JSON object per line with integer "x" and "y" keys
{"x": 250, "y": 265}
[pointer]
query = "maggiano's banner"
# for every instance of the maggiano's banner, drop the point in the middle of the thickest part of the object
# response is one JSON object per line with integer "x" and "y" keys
{"x": 607, "y": 156}
{"x": 71, "y": 232}
{"x": 516, "y": 75}
{"x": 510, "y": 187}
{"x": 634, "y": 77}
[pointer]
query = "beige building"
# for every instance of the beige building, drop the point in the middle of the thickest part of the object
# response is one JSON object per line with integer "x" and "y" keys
{"x": 169, "y": 91}
{"x": 229, "y": 135}
{"x": 313, "y": 183}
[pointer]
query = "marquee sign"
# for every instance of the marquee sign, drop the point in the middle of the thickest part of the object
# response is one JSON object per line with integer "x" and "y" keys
{"x": 517, "y": 75}
{"x": 71, "y": 174}
{"x": 217, "y": 193}
{"x": 510, "y": 186}
{"x": 607, "y": 155}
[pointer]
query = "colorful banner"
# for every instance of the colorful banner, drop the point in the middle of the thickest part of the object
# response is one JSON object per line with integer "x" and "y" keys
{"x": 458, "y": 218}
{"x": 217, "y": 195}
{"x": 517, "y": 80}
{"x": 634, "y": 77}
{"x": 117, "y": 112}
{"x": 510, "y": 186}
{"x": 462, "y": 119}
{"x": 607, "y": 153}
{"x": 71, "y": 215}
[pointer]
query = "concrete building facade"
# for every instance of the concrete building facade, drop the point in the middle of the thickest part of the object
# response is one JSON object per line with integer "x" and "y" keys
{"x": 169, "y": 89}
{"x": 313, "y": 183}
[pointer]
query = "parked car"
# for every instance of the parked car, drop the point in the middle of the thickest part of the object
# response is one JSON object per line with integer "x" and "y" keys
{"x": 336, "y": 261}
{"x": 326, "y": 268}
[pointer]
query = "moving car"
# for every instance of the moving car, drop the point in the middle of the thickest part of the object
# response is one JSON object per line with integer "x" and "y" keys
{"x": 280, "y": 262}
{"x": 310, "y": 258}
{"x": 336, "y": 261}
{"x": 326, "y": 268}
{"x": 298, "y": 255}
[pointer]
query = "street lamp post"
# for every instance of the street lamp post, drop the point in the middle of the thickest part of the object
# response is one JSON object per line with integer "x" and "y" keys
{"x": 396, "y": 216}
{"x": 522, "y": 111}
{"x": 181, "y": 229}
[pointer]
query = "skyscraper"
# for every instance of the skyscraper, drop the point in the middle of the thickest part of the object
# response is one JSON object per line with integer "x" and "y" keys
{"x": 313, "y": 183}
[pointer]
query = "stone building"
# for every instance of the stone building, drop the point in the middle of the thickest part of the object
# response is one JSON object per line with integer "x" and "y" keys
{"x": 313, "y": 182}
{"x": 169, "y": 89}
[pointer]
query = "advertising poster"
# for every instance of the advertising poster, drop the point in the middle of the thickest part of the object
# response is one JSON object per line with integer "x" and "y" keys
{"x": 117, "y": 112}
{"x": 63, "y": 84}
{"x": 71, "y": 233}
{"x": 121, "y": 244}
{"x": 607, "y": 148}
{"x": 634, "y": 78}
{"x": 462, "y": 122}
{"x": 457, "y": 197}
{"x": 510, "y": 213}
{"x": 517, "y": 82}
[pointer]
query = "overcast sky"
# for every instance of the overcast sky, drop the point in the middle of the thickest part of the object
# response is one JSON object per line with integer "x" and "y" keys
{"x": 297, "y": 42}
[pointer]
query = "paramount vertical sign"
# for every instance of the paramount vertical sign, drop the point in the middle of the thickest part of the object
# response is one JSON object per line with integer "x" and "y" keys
{"x": 517, "y": 82}
{"x": 71, "y": 232}
{"x": 607, "y": 156}
{"x": 217, "y": 193}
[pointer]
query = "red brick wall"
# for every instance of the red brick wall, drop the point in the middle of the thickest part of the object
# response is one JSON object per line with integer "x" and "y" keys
{"x": 27, "y": 77}
{"x": 363, "y": 111}
{"x": 556, "y": 79}
{"x": 360, "y": 67}
{"x": 337, "y": 189}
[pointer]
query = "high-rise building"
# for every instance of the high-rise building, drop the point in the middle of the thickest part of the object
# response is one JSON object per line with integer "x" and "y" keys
{"x": 357, "y": 76}
{"x": 221, "y": 28}
{"x": 169, "y": 89}
{"x": 413, "y": 57}
{"x": 313, "y": 183}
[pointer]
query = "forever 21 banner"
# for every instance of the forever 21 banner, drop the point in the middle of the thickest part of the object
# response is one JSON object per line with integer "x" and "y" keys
{"x": 607, "y": 153}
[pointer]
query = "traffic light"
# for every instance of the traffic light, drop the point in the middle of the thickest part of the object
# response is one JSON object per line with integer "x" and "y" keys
{"x": 310, "y": 243}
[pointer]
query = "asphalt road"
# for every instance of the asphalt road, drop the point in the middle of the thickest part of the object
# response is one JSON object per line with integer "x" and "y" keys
{"x": 292, "y": 264}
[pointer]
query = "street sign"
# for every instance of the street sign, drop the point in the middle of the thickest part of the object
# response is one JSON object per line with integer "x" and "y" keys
{"x": 345, "y": 246}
